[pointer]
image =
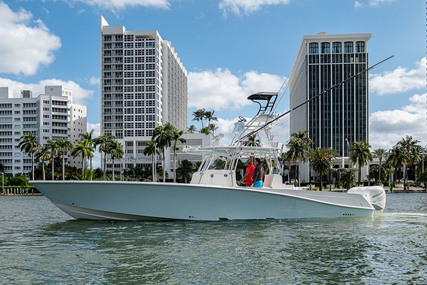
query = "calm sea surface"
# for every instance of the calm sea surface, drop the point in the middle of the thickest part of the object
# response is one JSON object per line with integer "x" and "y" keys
{"x": 39, "y": 244}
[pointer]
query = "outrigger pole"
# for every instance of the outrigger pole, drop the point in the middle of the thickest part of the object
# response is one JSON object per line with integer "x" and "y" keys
{"x": 314, "y": 97}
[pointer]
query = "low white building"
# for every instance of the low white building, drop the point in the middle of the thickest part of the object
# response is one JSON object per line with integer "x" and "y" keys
{"x": 50, "y": 116}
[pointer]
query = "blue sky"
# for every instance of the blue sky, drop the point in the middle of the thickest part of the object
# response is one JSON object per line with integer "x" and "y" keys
{"x": 230, "y": 49}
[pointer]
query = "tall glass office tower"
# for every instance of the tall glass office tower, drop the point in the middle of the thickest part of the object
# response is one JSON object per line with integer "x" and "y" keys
{"x": 340, "y": 116}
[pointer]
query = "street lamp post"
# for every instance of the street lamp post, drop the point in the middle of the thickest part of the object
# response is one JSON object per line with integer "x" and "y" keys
{"x": 2, "y": 182}
{"x": 349, "y": 149}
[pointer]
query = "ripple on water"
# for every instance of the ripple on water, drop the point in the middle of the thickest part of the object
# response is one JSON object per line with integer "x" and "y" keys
{"x": 40, "y": 244}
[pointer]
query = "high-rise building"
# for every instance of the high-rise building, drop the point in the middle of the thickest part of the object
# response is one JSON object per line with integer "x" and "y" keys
{"x": 50, "y": 116}
{"x": 340, "y": 116}
{"x": 143, "y": 85}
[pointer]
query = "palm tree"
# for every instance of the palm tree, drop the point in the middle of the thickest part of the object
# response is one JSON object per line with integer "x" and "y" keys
{"x": 185, "y": 169}
{"x": 199, "y": 116}
{"x": 212, "y": 128}
{"x": 380, "y": 153}
{"x": 115, "y": 149}
{"x": 162, "y": 135}
{"x": 209, "y": 115}
{"x": 287, "y": 156}
{"x": 30, "y": 145}
{"x": 321, "y": 160}
{"x": 64, "y": 147}
{"x": 360, "y": 154}
{"x": 396, "y": 158}
{"x": 84, "y": 149}
{"x": 103, "y": 141}
{"x": 88, "y": 136}
{"x": 176, "y": 136}
{"x": 150, "y": 149}
{"x": 42, "y": 156}
{"x": 299, "y": 145}
{"x": 413, "y": 154}
{"x": 54, "y": 151}
{"x": 192, "y": 129}
{"x": 252, "y": 141}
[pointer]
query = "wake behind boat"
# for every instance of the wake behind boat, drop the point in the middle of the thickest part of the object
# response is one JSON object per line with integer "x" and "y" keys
{"x": 213, "y": 194}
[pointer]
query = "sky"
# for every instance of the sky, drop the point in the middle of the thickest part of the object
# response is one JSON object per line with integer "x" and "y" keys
{"x": 230, "y": 49}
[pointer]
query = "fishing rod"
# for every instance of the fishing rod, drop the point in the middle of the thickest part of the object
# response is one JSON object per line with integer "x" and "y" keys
{"x": 312, "y": 98}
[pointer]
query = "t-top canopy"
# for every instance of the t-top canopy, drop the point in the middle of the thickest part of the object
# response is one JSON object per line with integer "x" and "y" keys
{"x": 262, "y": 96}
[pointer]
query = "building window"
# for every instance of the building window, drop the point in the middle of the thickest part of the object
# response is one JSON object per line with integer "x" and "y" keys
{"x": 325, "y": 47}
{"x": 336, "y": 47}
{"x": 313, "y": 48}
{"x": 348, "y": 47}
{"x": 360, "y": 46}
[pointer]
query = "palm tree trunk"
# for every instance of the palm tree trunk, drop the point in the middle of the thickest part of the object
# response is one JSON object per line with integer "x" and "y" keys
{"x": 404, "y": 177}
{"x": 174, "y": 165}
{"x": 164, "y": 166}
{"x": 91, "y": 168}
{"x": 83, "y": 167}
{"x": 44, "y": 178}
{"x": 153, "y": 165}
{"x": 299, "y": 173}
{"x": 113, "y": 168}
{"x": 63, "y": 166}
{"x": 53, "y": 168}
{"x": 321, "y": 182}
{"x": 32, "y": 165}
{"x": 105, "y": 165}
{"x": 379, "y": 173}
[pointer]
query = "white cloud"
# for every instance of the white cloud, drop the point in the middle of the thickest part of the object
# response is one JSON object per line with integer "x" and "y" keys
{"x": 379, "y": 2}
{"x": 94, "y": 80}
{"x": 388, "y": 127}
{"x": 96, "y": 127}
{"x": 25, "y": 43}
{"x": 79, "y": 94}
{"x": 247, "y": 6}
{"x": 220, "y": 89}
{"x": 357, "y": 4}
{"x": 401, "y": 79}
{"x": 123, "y": 4}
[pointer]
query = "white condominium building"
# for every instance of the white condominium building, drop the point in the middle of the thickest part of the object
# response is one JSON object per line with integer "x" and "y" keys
{"x": 50, "y": 116}
{"x": 143, "y": 85}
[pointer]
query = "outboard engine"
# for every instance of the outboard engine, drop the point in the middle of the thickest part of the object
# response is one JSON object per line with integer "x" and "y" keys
{"x": 375, "y": 195}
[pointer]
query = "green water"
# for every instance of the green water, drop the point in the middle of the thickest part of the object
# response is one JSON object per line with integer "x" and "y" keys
{"x": 39, "y": 244}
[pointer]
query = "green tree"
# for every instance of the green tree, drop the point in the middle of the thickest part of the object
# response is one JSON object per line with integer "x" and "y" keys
{"x": 92, "y": 143}
{"x": 321, "y": 160}
{"x": 413, "y": 154}
{"x": 361, "y": 155}
{"x": 192, "y": 129}
{"x": 347, "y": 178}
{"x": 42, "y": 156}
{"x": 115, "y": 149}
{"x": 209, "y": 115}
{"x": 212, "y": 128}
{"x": 287, "y": 157}
{"x": 176, "y": 136}
{"x": 184, "y": 170}
{"x": 380, "y": 153}
{"x": 64, "y": 147}
{"x": 29, "y": 145}
{"x": 205, "y": 131}
{"x": 199, "y": 116}
{"x": 54, "y": 151}
{"x": 252, "y": 141}
{"x": 150, "y": 149}
{"x": 103, "y": 142}
{"x": 396, "y": 158}
{"x": 376, "y": 172}
{"x": 162, "y": 135}
{"x": 423, "y": 179}
{"x": 84, "y": 149}
{"x": 299, "y": 145}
